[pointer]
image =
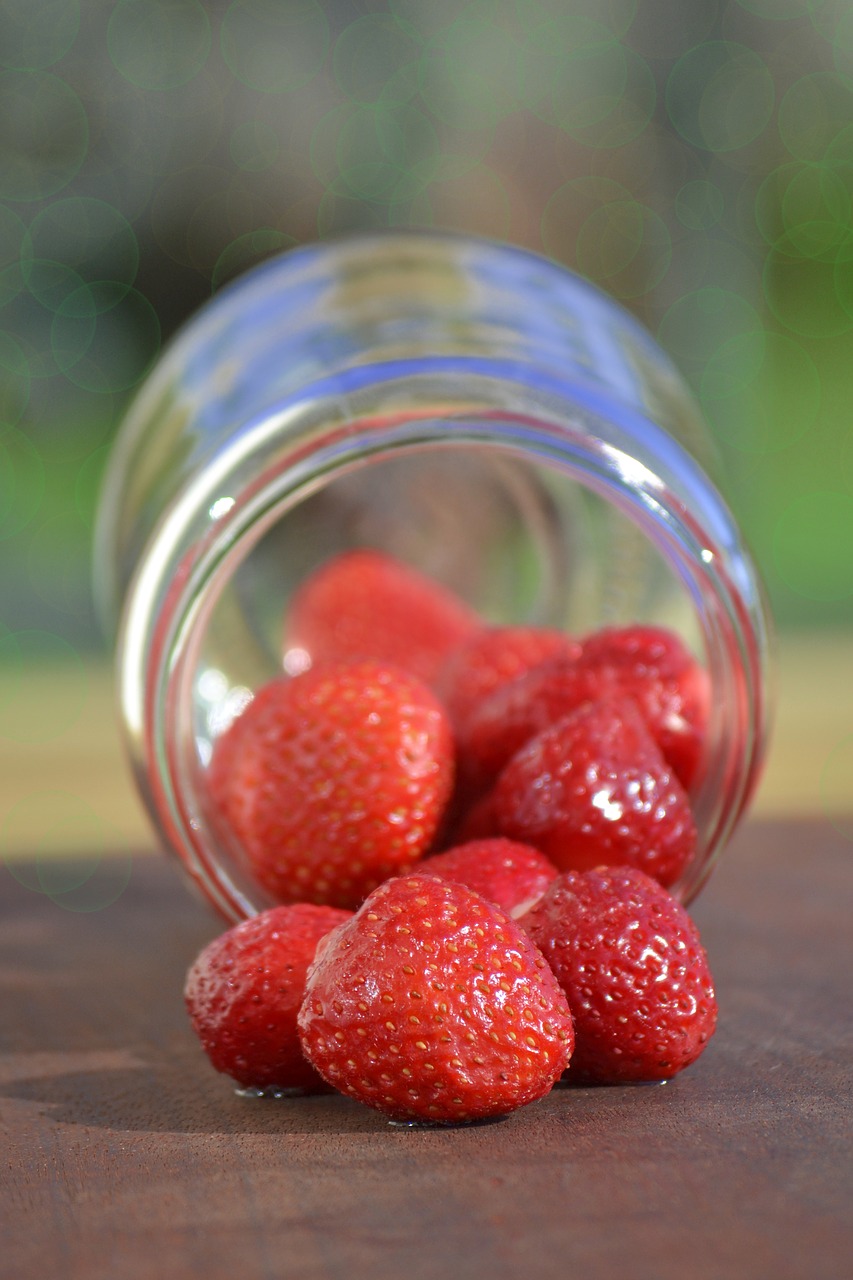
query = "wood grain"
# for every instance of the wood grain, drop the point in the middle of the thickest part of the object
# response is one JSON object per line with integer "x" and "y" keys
{"x": 127, "y": 1157}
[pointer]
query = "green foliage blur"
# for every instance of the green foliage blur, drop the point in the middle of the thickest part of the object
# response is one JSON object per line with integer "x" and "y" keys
{"x": 694, "y": 157}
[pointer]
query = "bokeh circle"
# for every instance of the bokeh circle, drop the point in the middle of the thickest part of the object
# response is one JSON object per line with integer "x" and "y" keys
{"x": 272, "y": 47}
{"x": 720, "y": 96}
{"x": 73, "y": 856}
{"x": 158, "y": 44}
{"x": 36, "y": 36}
{"x": 44, "y": 135}
{"x": 760, "y": 391}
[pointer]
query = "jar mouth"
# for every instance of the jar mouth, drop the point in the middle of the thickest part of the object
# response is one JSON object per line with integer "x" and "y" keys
{"x": 233, "y": 510}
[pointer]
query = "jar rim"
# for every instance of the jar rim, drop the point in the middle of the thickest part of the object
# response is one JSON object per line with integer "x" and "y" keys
{"x": 156, "y": 667}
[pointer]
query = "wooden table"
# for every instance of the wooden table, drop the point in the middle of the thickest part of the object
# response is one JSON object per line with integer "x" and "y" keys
{"x": 126, "y": 1157}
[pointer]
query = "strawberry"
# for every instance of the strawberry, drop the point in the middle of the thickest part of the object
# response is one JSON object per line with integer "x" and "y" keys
{"x": 431, "y": 1004}
{"x": 365, "y": 604}
{"x": 637, "y": 648}
{"x": 227, "y": 749}
{"x": 245, "y": 989}
{"x": 340, "y": 780}
{"x": 512, "y": 875}
{"x": 631, "y": 963}
{"x": 509, "y": 717}
{"x": 671, "y": 688}
{"x": 594, "y": 789}
{"x": 490, "y": 658}
{"x": 226, "y": 752}
{"x": 648, "y": 664}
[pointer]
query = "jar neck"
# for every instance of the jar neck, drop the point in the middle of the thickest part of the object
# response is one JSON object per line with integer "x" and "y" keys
{"x": 319, "y": 319}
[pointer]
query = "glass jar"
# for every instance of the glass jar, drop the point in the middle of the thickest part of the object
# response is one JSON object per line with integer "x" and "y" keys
{"x": 469, "y": 407}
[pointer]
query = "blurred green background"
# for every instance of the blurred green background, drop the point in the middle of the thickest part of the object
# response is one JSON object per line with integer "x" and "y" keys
{"x": 694, "y": 157}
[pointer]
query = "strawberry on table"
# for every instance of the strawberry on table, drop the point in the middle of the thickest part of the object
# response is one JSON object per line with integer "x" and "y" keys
{"x": 431, "y": 1004}
{"x": 366, "y": 604}
{"x": 340, "y": 780}
{"x": 245, "y": 989}
{"x": 594, "y": 789}
{"x": 633, "y": 968}
{"x": 511, "y": 875}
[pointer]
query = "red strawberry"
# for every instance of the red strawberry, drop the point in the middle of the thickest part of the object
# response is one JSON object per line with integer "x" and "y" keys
{"x": 639, "y": 648}
{"x": 630, "y": 961}
{"x": 594, "y": 789}
{"x": 671, "y": 688}
{"x": 490, "y": 658}
{"x": 227, "y": 750}
{"x": 364, "y": 604}
{"x": 431, "y": 1004}
{"x": 244, "y": 991}
{"x": 511, "y": 875}
{"x": 340, "y": 781}
{"x": 508, "y": 718}
{"x": 645, "y": 663}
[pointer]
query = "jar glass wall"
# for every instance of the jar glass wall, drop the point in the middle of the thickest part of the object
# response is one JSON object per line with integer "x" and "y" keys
{"x": 470, "y": 408}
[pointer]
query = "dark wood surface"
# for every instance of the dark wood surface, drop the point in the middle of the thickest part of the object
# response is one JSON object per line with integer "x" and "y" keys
{"x": 125, "y": 1156}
